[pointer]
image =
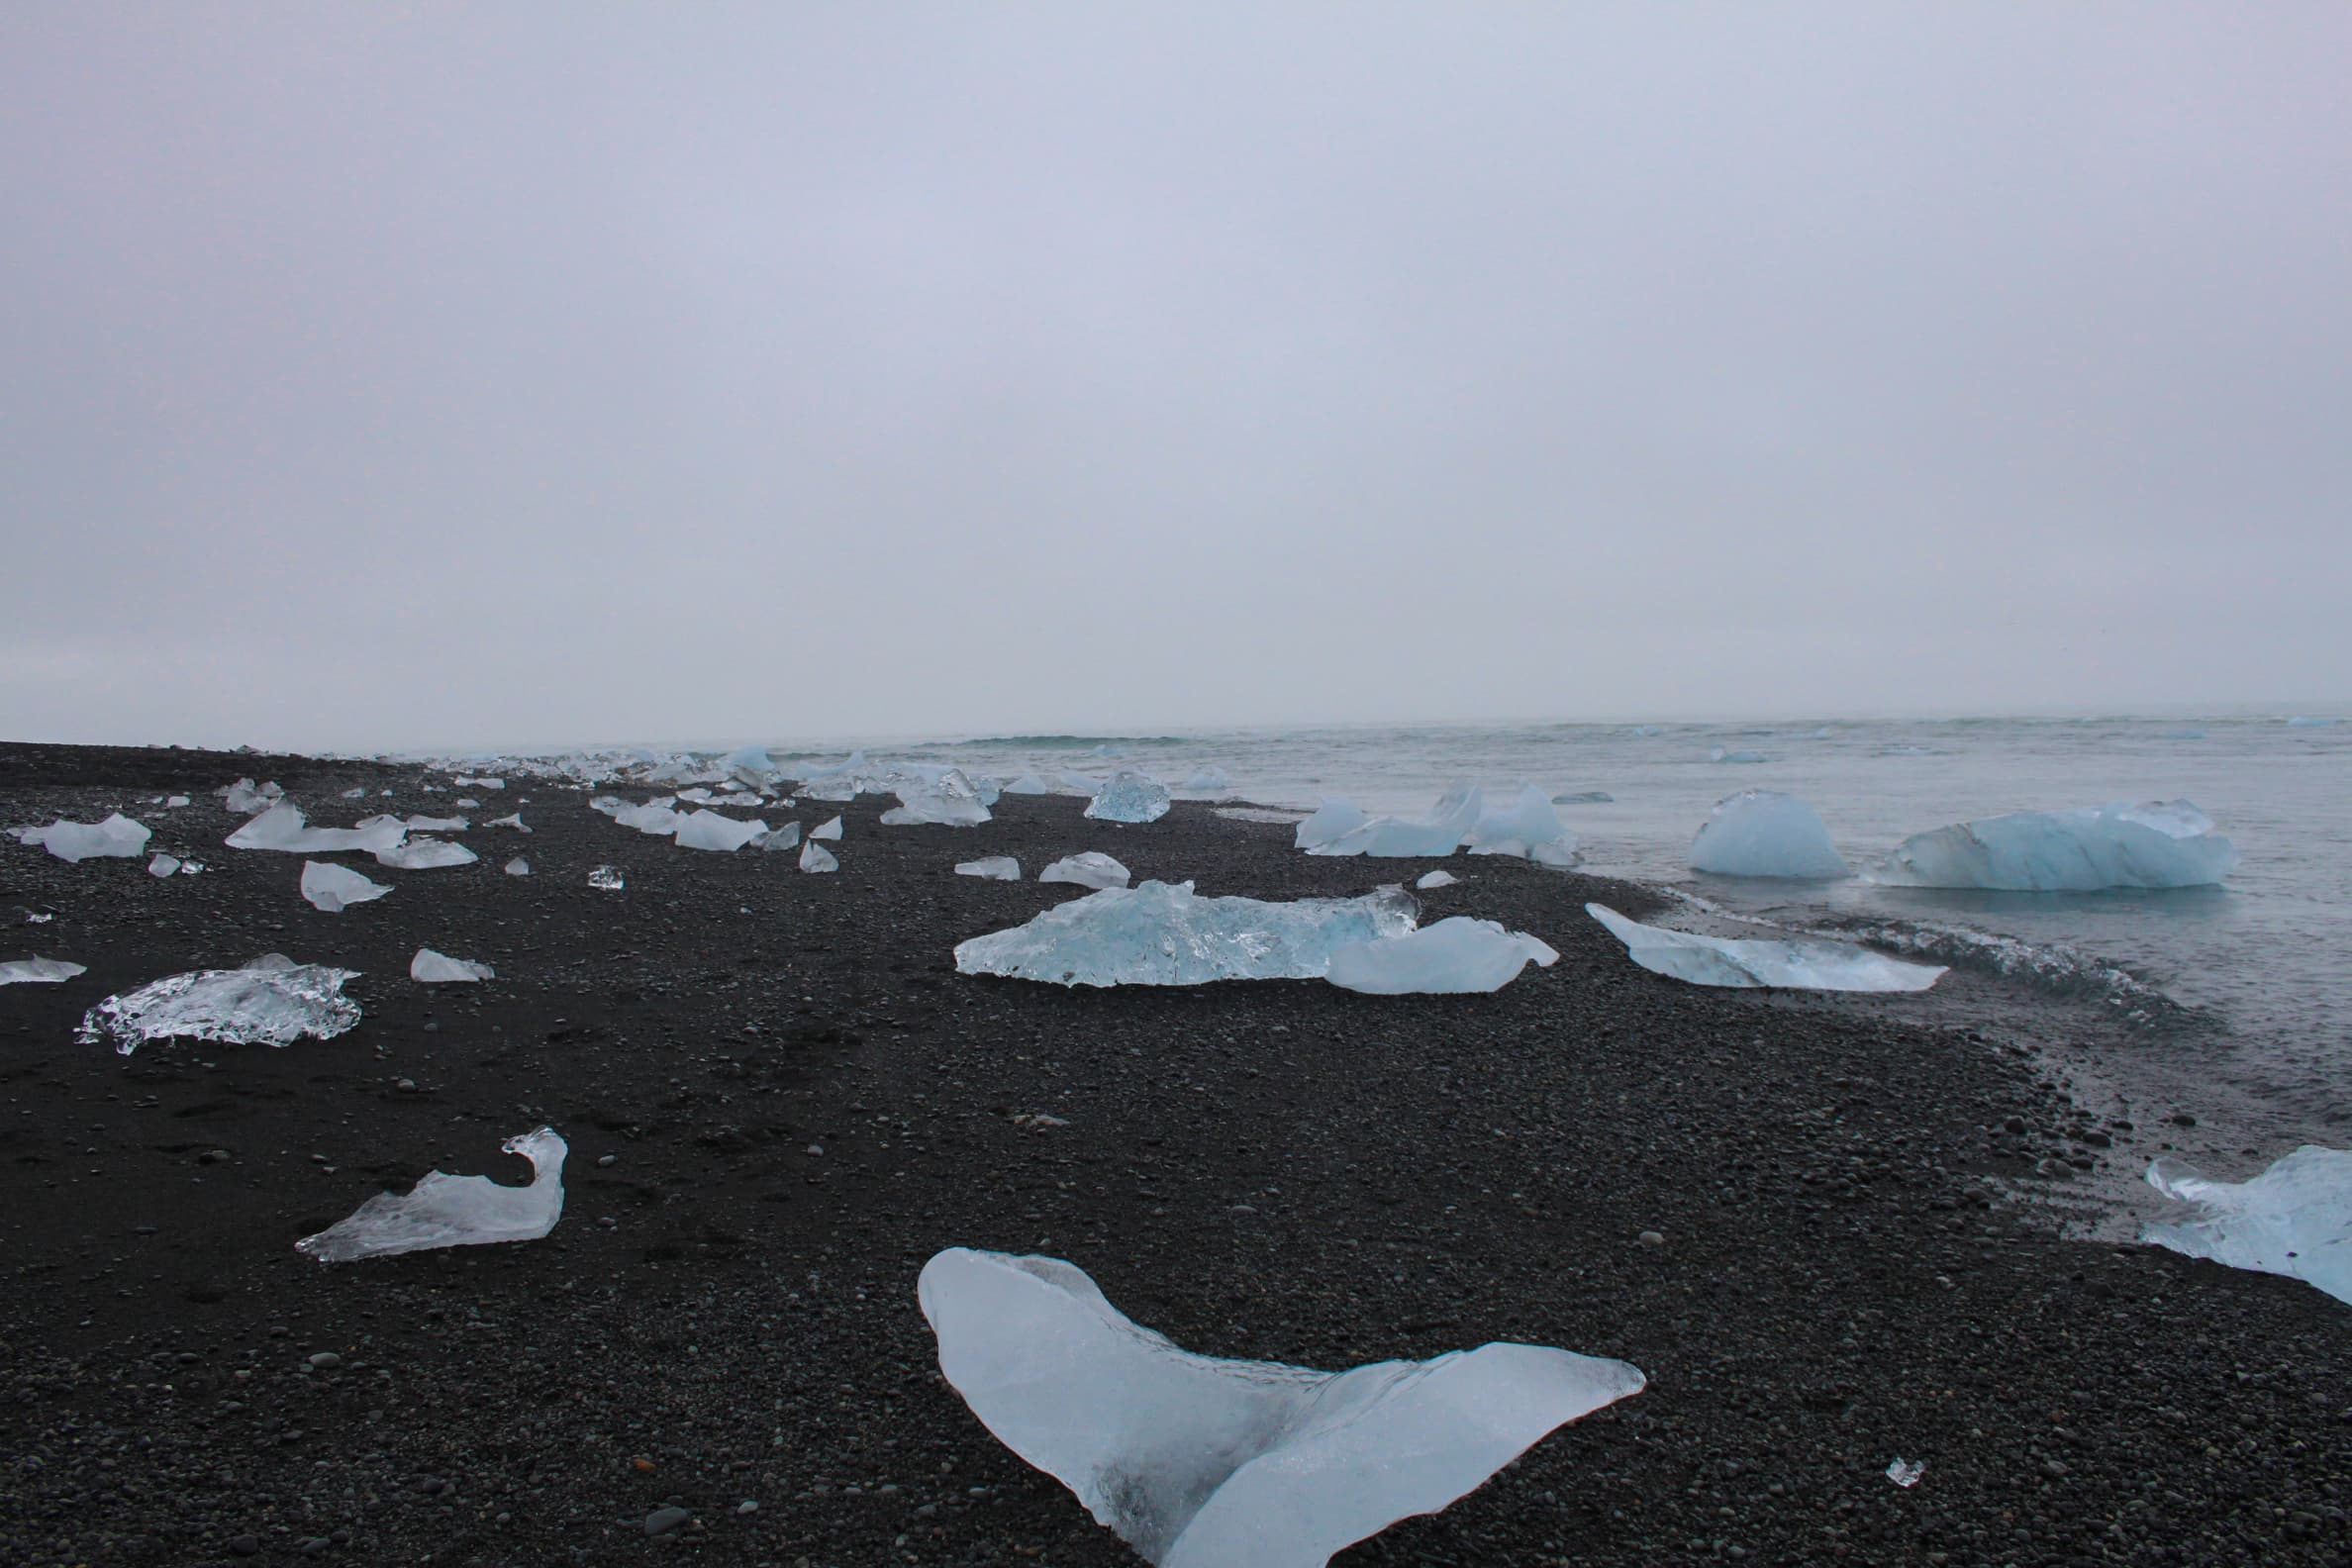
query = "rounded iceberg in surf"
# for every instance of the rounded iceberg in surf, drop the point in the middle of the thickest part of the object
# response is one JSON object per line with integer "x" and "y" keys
{"x": 1764, "y": 834}
{"x": 2088, "y": 849}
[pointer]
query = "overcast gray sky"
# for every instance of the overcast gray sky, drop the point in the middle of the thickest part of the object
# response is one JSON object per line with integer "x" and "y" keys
{"x": 425, "y": 375}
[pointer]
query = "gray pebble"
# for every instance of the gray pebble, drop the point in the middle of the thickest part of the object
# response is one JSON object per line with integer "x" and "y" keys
{"x": 663, "y": 1521}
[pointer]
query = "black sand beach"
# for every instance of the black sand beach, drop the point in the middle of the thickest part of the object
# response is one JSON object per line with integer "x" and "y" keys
{"x": 726, "y": 1316}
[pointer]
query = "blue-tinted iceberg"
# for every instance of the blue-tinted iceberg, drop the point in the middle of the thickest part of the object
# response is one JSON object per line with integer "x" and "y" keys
{"x": 335, "y": 888}
{"x": 948, "y": 800}
{"x": 116, "y": 837}
{"x": 1130, "y": 797}
{"x": 2125, "y": 845}
{"x": 1457, "y": 954}
{"x": 1798, "y": 963}
{"x": 2295, "y": 1218}
{"x": 1764, "y": 833}
{"x": 281, "y": 827}
{"x": 707, "y": 830}
{"x": 1527, "y": 828}
{"x": 39, "y": 972}
{"x": 1087, "y": 868}
{"x": 1452, "y": 820}
{"x": 1163, "y": 934}
{"x": 444, "y": 1211}
{"x": 1202, "y": 1464}
{"x": 269, "y": 1002}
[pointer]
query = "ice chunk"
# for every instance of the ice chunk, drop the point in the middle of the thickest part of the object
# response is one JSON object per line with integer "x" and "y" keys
{"x": 245, "y": 798}
{"x": 453, "y": 1210}
{"x": 116, "y": 837}
{"x": 707, "y": 830}
{"x": 2151, "y": 844}
{"x": 333, "y": 888}
{"x": 787, "y": 836}
{"x": 1805, "y": 964}
{"x": 2295, "y": 1218}
{"x": 1202, "y": 1464}
{"x": 482, "y": 783}
{"x": 163, "y": 865}
{"x": 433, "y": 968}
{"x": 426, "y": 854}
{"x": 39, "y": 972}
{"x": 1088, "y": 868}
{"x": 1436, "y": 879}
{"x": 436, "y": 823}
{"x": 1334, "y": 819}
{"x": 814, "y": 856}
{"x": 1162, "y": 934}
{"x": 1764, "y": 833}
{"x": 264, "y": 1004}
{"x": 518, "y": 867}
{"x": 514, "y": 821}
{"x": 828, "y": 830}
{"x": 1072, "y": 782}
{"x": 753, "y": 759}
{"x": 281, "y": 827}
{"x": 1028, "y": 784}
{"x": 999, "y": 868}
{"x": 1457, "y": 812}
{"x": 1527, "y": 828}
{"x": 1905, "y": 1472}
{"x": 355, "y": 792}
{"x": 951, "y": 800}
{"x": 606, "y": 877}
{"x": 1457, "y": 954}
{"x": 1207, "y": 781}
{"x": 1718, "y": 754}
{"x": 1130, "y": 797}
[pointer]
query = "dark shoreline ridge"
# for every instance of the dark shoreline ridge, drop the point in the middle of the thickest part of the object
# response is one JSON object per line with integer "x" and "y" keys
{"x": 1278, "y": 1170}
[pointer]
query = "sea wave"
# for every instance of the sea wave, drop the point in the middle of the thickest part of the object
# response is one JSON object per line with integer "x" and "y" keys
{"x": 2056, "y": 971}
{"x": 1059, "y": 742}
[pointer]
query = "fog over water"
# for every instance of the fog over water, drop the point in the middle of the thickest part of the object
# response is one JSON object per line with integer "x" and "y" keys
{"x": 441, "y": 375}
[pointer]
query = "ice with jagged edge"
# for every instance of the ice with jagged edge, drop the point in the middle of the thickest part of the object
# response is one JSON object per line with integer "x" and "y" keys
{"x": 1798, "y": 963}
{"x": 996, "y": 868}
{"x": 335, "y": 888}
{"x": 657, "y": 816}
{"x": 831, "y": 828}
{"x": 439, "y": 968}
{"x": 1130, "y": 797}
{"x": 444, "y": 1211}
{"x": 1764, "y": 834}
{"x": 1088, "y": 868}
{"x": 787, "y": 836}
{"x": 2295, "y": 1218}
{"x": 118, "y": 836}
{"x": 282, "y": 828}
{"x": 1161, "y": 934}
{"x": 1333, "y": 820}
{"x": 1527, "y": 828}
{"x": 814, "y": 856}
{"x": 707, "y": 830}
{"x": 269, "y": 1002}
{"x": 1454, "y": 956}
{"x": 426, "y": 854}
{"x": 1028, "y": 784}
{"x": 2084, "y": 849}
{"x": 950, "y": 799}
{"x": 245, "y": 798}
{"x": 1198, "y": 1462}
{"x": 1452, "y": 819}
{"x": 39, "y": 972}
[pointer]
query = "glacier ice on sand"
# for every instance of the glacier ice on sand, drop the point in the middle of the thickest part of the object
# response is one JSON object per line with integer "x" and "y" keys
{"x": 2086, "y": 850}
{"x": 1198, "y": 1462}
{"x": 39, "y": 972}
{"x": 2295, "y": 1218}
{"x": 1527, "y": 828}
{"x": 950, "y": 799}
{"x": 1130, "y": 797}
{"x": 831, "y": 828}
{"x": 607, "y": 878}
{"x": 163, "y": 865}
{"x": 1334, "y": 819}
{"x": 1452, "y": 820}
{"x": 1456, "y": 955}
{"x": 707, "y": 830}
{"x": 1088, "y": 868}
{"x": 518, "y": 867}
{"x": 437, "y": 968}
{"x": 444, "y": 1211}
{"x": 426, "y": 854}
{"x": 787, "y": 836}
{"x": 814, "y": 856}
{"x": 1798, "y": 963}
{"x": 335, "y": 888}
{"x": 997, "y": 868}
{"x": 116, "y": 837}
{"x": 1764, "y": 834}
{"x": 269, "y": 1002}
{"x": 281, "y": 827}
{"x": 1430, "y": 880}
{"x": 1163, "y": 934}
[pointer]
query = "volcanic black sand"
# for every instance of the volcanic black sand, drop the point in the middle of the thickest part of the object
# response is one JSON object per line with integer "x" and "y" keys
{"x": 725, "y": 1315}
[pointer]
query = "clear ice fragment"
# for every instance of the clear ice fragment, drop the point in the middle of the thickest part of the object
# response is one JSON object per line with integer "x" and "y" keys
{"x": 276, "y": 1005}
{"x": 1527, "y": 828}
{"x": 1130, "y": 797}
{"x": 453, "y": 1210}
{"x": 607, "y": 877}
{"x": 998, "y": 868}
{"x": 707, "y": 830}
{"x": 39, "y": 972}
{"x": 434, "y": 969}
{"x": 116, "y": 837}
{"x": 518, "y": 867}
{"x": 1764, "y": 834}
{"x": 335, "y": 888}
{"x": 514, "y": 821}
{"x": 421, "y": 824}
{"x": 1456, "y": 955}
{"x": 2086, "y": 850}
{"x": 281, "y": 827}
{"x": 950, "y": 799}
{"x": 163, "y": 865}
{"x": 175, "y": 803}
{"x": 830, "y": 829}
{"x": 426, "y": 854}
{"x": 787, "y": 836}
{"x": 1452, "y": 820}
{"x": 2295, "y": 1218}
{"x": 1334, "y": 819}
{"x": 1905, "y": 1472}
{"x": 245, "y": 798}
{"x": 814, "y": 856}
{"x": 1801, "y": 963}
{"x": 1163, "y": 934}
{"x": 1436, "y": 879}
{"x": 482, "y": 783}
{"x": 1087, "y": 868}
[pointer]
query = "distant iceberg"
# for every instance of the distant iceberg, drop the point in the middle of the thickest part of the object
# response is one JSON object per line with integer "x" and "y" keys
{"x": 1764, "y": 833}
{"x": 2295, "y": 1218}
{"x": 444, "y": 1211}
{"x": 1793, "y": 963}
{"x": 1456, "y": 955}
{"x": 2125, "y": 845}
{"x": 1163, "y": 934}
{"x": 1452, "y": 820}
{"x": 1130, "y": 797}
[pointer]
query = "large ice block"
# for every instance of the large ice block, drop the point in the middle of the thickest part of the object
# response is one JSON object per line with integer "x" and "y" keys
{"x": 1334, "y": 819}
{"x": 39, "y": 972}
{"x": 437, "y": 968}
{"x": 1130, "y": 797}
{"x": 1450, "y": 822}
{"x": 1162, "y": 934}
{"x": 1457, "y": 954}
{"x": 282, "y": 828}
{"x": 1800, "y": 964}
{"x": 1764, "y": 834}
{"x": 2295, "y": 1218}
{"x": 1087, "y": 868}
{"x": 335, "y": 888}
{"x": 949, "y": 800}
{"x": 1202, "y": 1464}
{"x": 2123, "y": 844}
{"x": 269, "y": 1002}
{"x": 1527, "y": 828}
{"x": 707, "y": 830}
{"x": 116, "y": 837}
{"x": 453, "y": 1210}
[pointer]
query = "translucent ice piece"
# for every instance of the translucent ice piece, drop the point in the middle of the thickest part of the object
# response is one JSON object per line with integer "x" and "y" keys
{"x": 1449, "y": 823}
{"x": 751, "y": 759}
{"x": 606, "y": 877}
{"x": 1803, "y": 963}
{"x": 1207, "y": 781}
{"x": 787, "y": 836}
{"x": 1455, "y": 955}
{"x": 1334, "y": 819}
{"x": 39, "y": 972}
{"x": 453, "y": 1210}
{"x": 276, "y": 1005}
{"x": 2295, "y": 1218}
{"x": 1436, "y": 879}
{"x": 2125, "y": 844}
{"x": 435, "y": 824}
{"x": 1130, "y": 797}
{"x": 163, "y": 865}
{"x": 1028, "y": 784}
{"x": 355, "y": 792}
{"x": 1527, "y": 828}
{"x": 335, "y": 888}
{"x": 998, "y": 868}
{"x": 1162, "y": 934}
{"x": 1764, "y": 834}
{"x": 518, "y": 867}
{"x": 1905, "y": 1472}
{"x": 175, "y": 803}
{"x": 482, "y": 783}
{"x": 433, "y": 968}
{"x": 814, "y": 856}
{"x": 830, "y": 829}
{"x": 1202, "y": 1463}
{"x": 245, "y": 798}
{"x": 707, "y": 830}
{"x": 426, "y": 854}
{"x": 514, "y": 821}
{"x": 116, "y": 837}
{"x": 1088, "y": 868}
{"x": 950, "y": 799}
{"x": 281, "y": 827}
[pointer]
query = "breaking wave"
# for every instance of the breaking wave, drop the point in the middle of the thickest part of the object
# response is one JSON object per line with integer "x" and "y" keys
{"x": 2055, "y": 971}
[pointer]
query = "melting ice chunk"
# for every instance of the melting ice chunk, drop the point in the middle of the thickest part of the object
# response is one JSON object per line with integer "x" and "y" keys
{"x": 830, "y": 829}
{"x": 1803, "y": 963}
{"x": 787, "y": 836}
{"x": 39, "y": 972}
{"x": 1457, "y": 954}
{"x": 1088, "y": 868}
{"x": 333, "y": 888}
{"x": 999, "y": 868}
{"x": 1202, "y": 1463}
{"x": 1527, "y": 828}
{"x": 423, "y": 823}
{"x": 1028, "y": 784}
{"x": 515, "y": 821}
{"x": 707, "y": 830}
{"x": 426, "y": 854}
{"x": 245, "y": 798}
{"x": 606, "y": 877}
{"x": 1130, "y": 797}
{"x": 1207, "y": 781}
{"x": 1158, "y": 934}
{"x": 433, "y": 968}
{"x": 1905, "y": 1472}
{"x": 281, "y": 827}
{"x": 2125, "y": 844}
{"x": 116, "y": 837}
{"x": 1334, "y": 819}
{"x": 814, "y": 856}
{"x": 453, "y": 1210}
{"x": 482, "y": 783}
{"x": 1764, "y": 834}
{"x": 1436, "y": 879}
{"x": 2295, "y": 1218}
{"x": 518, "y": 867}
{"x": 1449, "y": 823}
{"x": 270, "y": 1002}
{"x": 163, "y": 865}
{"x": 950, "y": 799}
